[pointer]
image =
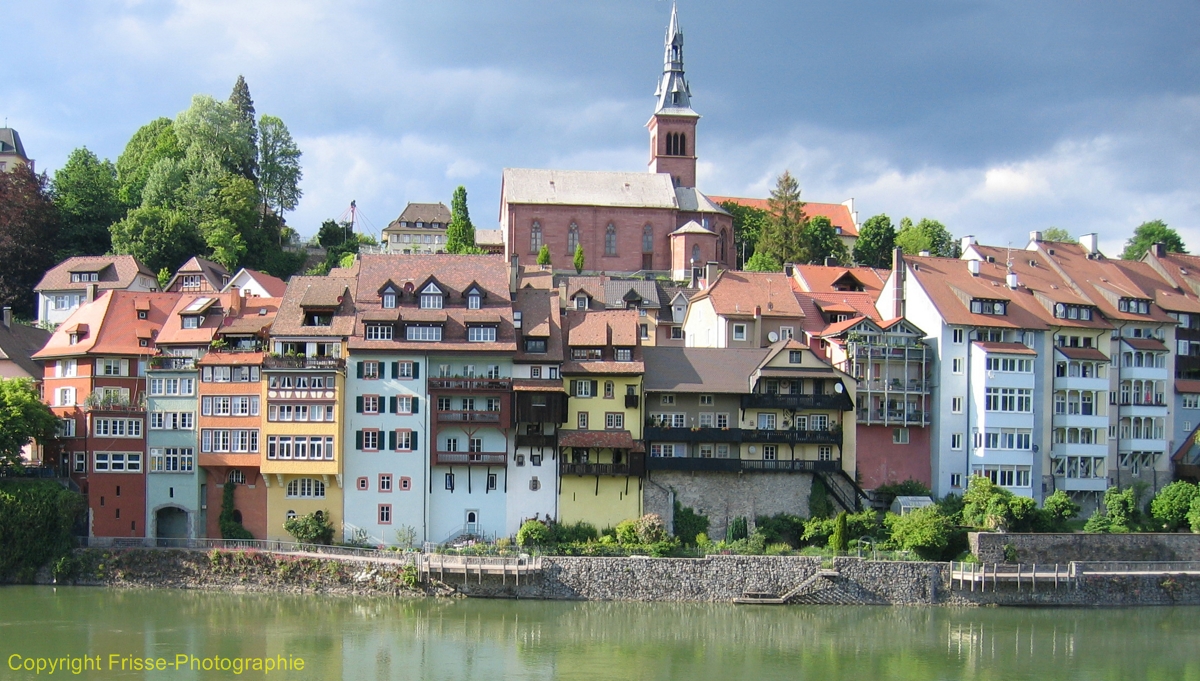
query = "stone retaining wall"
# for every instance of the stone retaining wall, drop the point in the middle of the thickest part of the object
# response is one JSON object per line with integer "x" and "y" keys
{"x": 990, "y": 547}
{"x": 712, "y": 579}
{"x": 725, "y": 496}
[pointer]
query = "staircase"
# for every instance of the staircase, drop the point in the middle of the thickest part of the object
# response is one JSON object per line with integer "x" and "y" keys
{"x": 844, "y": 490}
{"x": 762, "y": 598}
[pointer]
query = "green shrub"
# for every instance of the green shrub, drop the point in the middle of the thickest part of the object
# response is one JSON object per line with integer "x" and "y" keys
{"x": 688, "y": 524}
{"x": 838, "y": 541}
{"x": 580, "y": 531}
{"x": 781, "y": 528}
{"x": 819, "y": 505}
{"x": 736, "y": 530}
{"x": 1193, "y": 515}
{"x": 924, "y": 531}
{"x": 230, "y": 528}
{"x": 36, "y": 522}
{"x": 753, "y": 545}
{"x": 313, "y": 528}
{"x": 533, "y": 533}
{"x": 1059, "y": 510}
{"x": 1097, "y": 523}
{"x": 1121, "y": 509}
{"x": 778, "y": 549}
{"x": 627, "y": 532}
{"x": 1171, "y": 505}
{"x": 650, "y": 529}
{"x": 908, "y": 488}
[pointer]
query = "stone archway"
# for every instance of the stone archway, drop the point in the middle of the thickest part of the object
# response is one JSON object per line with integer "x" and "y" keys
{"x": 171, "y": 522}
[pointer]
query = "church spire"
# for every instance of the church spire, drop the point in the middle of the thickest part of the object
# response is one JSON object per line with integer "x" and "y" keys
{"x": 673, "y": 94}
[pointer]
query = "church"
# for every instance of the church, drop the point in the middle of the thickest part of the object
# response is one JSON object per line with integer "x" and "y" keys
{"x": 626, "y": 221}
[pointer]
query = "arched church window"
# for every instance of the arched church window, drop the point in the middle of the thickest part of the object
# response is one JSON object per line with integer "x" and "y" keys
{"x": 535, "y": 238}
{"x": 670, "y": 143}
{"x": 696, "y": 253}
{"x": 682, "y": 150}
{"x": 610, "y": 240}
{"x": 721, "y": 246}
{"x": 572, "y": 238}
{"x": 648, "y": 239}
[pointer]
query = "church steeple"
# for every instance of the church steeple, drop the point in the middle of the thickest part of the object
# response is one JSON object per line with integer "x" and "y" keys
{"x": 673, "y": 93}
{"x": 673, "y": 125}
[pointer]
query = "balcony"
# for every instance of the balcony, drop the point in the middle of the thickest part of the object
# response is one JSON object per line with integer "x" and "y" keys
{"x": 1143, "y": 373}
{"x": 165, "y": 363}
{"x": 1143, "y": 444}
{"x": 894, "y": 386}
{"x": 910, "y": 352}
{"x": 657, "y": 433}
{"x": 636, "y": 465}
{"x": 286, "y": 362}
{"x": 681, "y": 463}
{"x": 469, "y": 458}
{"x": 893, "y": 417}
{"x": 1081, "y": 484}
{"x": 839, "y": 401}
{"x": 469, "y": 416}
{"x": 100, "y": 402}
{"x": 830, "y": 436}
{"x": 536, "y": 441}
{"x": 631, "y": 401}
{"x": 1080, "y": 420}
{"x": 1091, "y": 383}
{"x": 470, "y": 384}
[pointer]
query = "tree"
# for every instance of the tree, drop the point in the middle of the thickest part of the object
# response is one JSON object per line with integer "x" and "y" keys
{"x": 87, "y": 196}
{"x": 241, "y": 102}
{"x": 152, "y": 142}
{"x": 1149, "y": 233}
{"x": 876, "y": 241}
{"x": 763, "y": 262}
{"x": 927, "y": 235}
{"x": 313, "y": 528}
{"x": 579, "y": 259}
{"x": 215, "y": 138}
{"x": 925, "y": 531}
{"x": 543, "y": 257}
{"x": 783, "y": 238}
{"x": 159, "y": 237}
{"x": 1059, "y": 509}
{"x": 226, "y": 243}
{"x": 333, "y": 233}
{"x": 23, "y": 419}
{"x": 1059, "y": 235}
{"x": 1172, "y": 503}
{"x": 460, "y": 233}
{"x": 278, "y": 165}
{"x": 821, "y": 241}
{"x": 748, "y": 226}
{"x": 29, "y": 226}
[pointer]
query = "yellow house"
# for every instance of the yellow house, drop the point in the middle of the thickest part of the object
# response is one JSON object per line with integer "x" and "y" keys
{"x": 602, "y": 462}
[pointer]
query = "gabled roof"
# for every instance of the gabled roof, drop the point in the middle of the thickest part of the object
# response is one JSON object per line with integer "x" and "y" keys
{"x": 274, "y": 287}
{"x": 692, "y": 227}
{"x": 1166, "y": 295}
{"x": 210, "y": 306}
{"x": 588, "y": 188}
{"x": 599, "y": 328}
{"x": 214, "y": 273}
{"x": 692, "y": 200}
{"x": 1104, "y": 281}
{"x": 617, "y": 292}
{"x": 112, "y": 324}
{"x": 18, "y": 343}
{"x": 256, "y": 316}
{"x": 324, "y": 291}
{"x": 738, "y": 294}
{"x": 838, "y": 213}
{"x": 425, "y": 213}
{"x": 1039, "y": 273}
{"x": 116, "y": 272}
{"x": 823, "y": 279}
{"x": 454, "y": 274}
{"x": 700, "y": 370}
{"x": 949, "y": 284}
{"x": 540, "y": 318}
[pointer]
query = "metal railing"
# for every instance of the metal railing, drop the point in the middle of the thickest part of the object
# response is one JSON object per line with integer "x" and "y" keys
{"x": 266, "y": 545}
{"x": 470, "y": 384}
{"x": 883, "y": 385}
{"x": 168, "y": 363}
{"x": 471, "y": 416}
{"x": 444, "y": 458}
{"x": 285, "y": 362}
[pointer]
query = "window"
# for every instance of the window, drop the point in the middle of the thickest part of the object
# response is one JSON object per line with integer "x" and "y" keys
{"x": 379, "y": 332}
{"x": 957, "y": 335}
{"x": 956, "y": 479}
{"x": 536, "y": 345}
{"x": 80, "y": 462}
{"x": 1010, "y": 365}
{"x": 385, "y": 514}
{"x": 610, "y": 240}
{"x": 668, "y": 398}
{"x": 481, "y": 334}
{"x": 431, "y": 298}
{"x": 572, "y": 238}
{"x": 65, "y": 368}
{"x": 608, "y": 390}
{"x": 643, "y": 329}
{"x": 739, "y": 332}
{"x": 363, "y": 484}
{"x": 404, "y": 440}
{"x": 614, "y": 421}
{"x": 113, "y": 367}
{"x": 900, "y": 436}
{"x": 370, "y": 440}
{"x": 423, "y": 333}
{"x": 824, "y": 453}
{"x": 676, "y": 333}
{"x": 385, "y": 482}
{"x": 370, "y": 404}
{"x": 306, "y": 488}
{"x": 722, "y": 420}
{"x": 956, "y": 441}
{"x": 131, "y": 428}
{"x": 1009, "y": 399}
{"x": 450, "y": 481}
{"x": 956, "y": 365}
{"x": 491, "y": 481}
{"x": 229, "y": 440}
{"x": 1191, "y": 401}
{"x": 706, "y": 400}
{"x": 956, "y": 405}
{"x": 64, "y": 397}
{"x": 766, "y": 421}
{"x": 647, "y": 239}
{"x": 624, "y": 355}
{"x": 475, "y": 445}
{"x": 770, "y": 452}
{"x": 583, "y": 388}
{"x": 474, "y": 301}
{"x": 1005, "y": 476}
{"x": 173, "y": 460}
{"x": 534, "y": 484}
{"x": 990, "y": 307}
{"x": 666, "y": 450}
{"x": 389, "y": 301}
{"x": 582, "y": 420}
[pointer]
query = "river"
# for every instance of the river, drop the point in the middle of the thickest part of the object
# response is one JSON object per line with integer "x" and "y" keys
{"x": 378, "y": 638}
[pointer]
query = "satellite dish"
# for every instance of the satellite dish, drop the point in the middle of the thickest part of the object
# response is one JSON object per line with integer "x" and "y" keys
{"x": 838, "y": 387}
{"x": 772, "y": 336}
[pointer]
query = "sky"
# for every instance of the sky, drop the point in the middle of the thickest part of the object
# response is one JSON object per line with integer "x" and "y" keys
{"x": 995, "y": 118}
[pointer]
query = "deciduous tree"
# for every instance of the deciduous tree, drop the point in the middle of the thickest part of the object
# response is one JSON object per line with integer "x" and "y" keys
{"x": 876, "y": 241}
{"x": 748, "y": 226}
{"x": 87, "y": 196}
{"x": 926, "y": 235}
{"x": 278, "y": 165}
{"x": 1058, "y": 234}
{"x": 29, "y": 226}
{"x": 1149, "y": 233}
{"x": 23, "y": 419}
{"x": 154, "y": 141}
{"x": 159, "y": 237}
{"x": 821, "y": 241}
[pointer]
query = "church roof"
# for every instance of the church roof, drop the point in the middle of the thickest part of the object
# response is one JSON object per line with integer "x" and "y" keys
{"x": 10, "y": 143}
{"x": 692, "y": 227}
{"x": 673, "y": 94}
{"x": 691, "y": 200}
{"x": 588, "y": 188}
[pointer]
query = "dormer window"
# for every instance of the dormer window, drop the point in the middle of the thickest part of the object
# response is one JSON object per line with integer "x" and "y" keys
{"x": 535, "y": 345}
{"x": 81, "y": 277}
{"x": 431, "y": 298}
{"x": 481, "y": 334}
{"x": 624, "y": 354}
{"x": 318, "y": 319}
{"x": 378, "y": 332}
{"x": 586, "y": 354}
{"x": 143, "y": 314}
{"x": 992, "y": 307}
{"x": 1134, "y": 305}
{"x": 389, "y": 300}
{"x": 190, "y": 281}
{"x": 1063, "y": 311}
{"x": 581, "y": 302}
{"x": 189, "y": 321}
{"x": 473, "y": 301}
{"x": 73, "y": 339}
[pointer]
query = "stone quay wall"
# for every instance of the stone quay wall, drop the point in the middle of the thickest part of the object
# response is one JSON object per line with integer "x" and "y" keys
{"x": 714, "y": 579}
{"x": 1046, "y": 549}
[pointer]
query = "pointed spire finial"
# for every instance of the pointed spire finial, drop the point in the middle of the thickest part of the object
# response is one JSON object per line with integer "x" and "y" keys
{"x": 673, "y": 92}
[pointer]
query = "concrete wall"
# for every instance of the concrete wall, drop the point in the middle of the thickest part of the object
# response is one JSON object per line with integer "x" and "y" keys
{"x": 989, "y": 547}
{"x": 724, "y": 496}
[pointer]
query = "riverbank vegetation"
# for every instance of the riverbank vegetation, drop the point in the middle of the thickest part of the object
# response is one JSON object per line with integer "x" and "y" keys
{"x": 36, "y": 522}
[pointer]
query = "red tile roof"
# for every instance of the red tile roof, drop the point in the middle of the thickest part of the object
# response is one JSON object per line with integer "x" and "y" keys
{"x": 603, "y": 439}
{"x": 819, "y": 278}
{"x": 951, "y": 287}
{"x": 739, "y": 294}
{"x": 838, "y": 214}
{"x": 112, "y": 325}
{"x": 1185, "y": 385}
{"x": 1082, "y": 353}
{"x": 1006, "y": 348}
{"x": 1146, "y": 344}
{"x": 116, "y": 272}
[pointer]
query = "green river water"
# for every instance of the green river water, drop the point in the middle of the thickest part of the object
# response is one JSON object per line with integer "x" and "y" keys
{"x": 377, "y": 638}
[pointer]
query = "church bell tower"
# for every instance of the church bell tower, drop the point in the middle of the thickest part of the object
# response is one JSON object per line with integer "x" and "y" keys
{"x": 673, "y": 125}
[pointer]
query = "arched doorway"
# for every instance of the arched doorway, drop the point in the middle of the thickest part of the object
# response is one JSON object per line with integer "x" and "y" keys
{"x": 171, "y": 522}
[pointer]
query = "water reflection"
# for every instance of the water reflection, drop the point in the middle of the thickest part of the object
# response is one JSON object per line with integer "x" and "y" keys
{"x": 360, "y": 638}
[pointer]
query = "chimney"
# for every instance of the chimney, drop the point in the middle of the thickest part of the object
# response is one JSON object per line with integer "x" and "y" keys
{"x": 1159, "y": 250}
{"x": 968, "y": 241}
{"x": 235, "y": 302}
{"x": 898, "y": 273}
{"x": 789, "y": 270}
{"x": 90, "y": 294}
{"x": 831, "y": 262}
{"x": 7, "y": 317}
{"x": 1088, "y": 241}
{"x": 758, "y": 336}
{"x": 973, "y": 266}
{"x": 514, "y": 272}
{"x": 1035, "y": 236}
{"x": 924, "y": 254}
{"x": 711, "y": 269}
{"x": 1011, "y": 280}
